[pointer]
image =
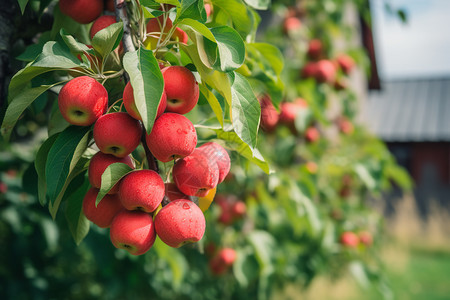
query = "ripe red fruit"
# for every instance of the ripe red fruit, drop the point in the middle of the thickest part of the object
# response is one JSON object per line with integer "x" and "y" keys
{"x": 154, "y": 28}
{"x": 311, "y": 167}
{"x": 314, "y": 49}
{"x": 82, "y": 101}
{"x": 222, "y": 261}
{"x": 345, "y": 126}
{"x": 181, "y": 89}
{"x": 290, "y": 110}
{"x": 220, "y": 156}
{"x": 196, "y": 174}
{"x": 312, "y": 134}
{"x": 117, "y": 134}
{"x": 346, "y": 63}
{"x": 325, "y": 71}
{"x": 106, "y": 210}
{"x": 180, "y": 222}
{"x": 141, "y": 190}
{"x": 238, "y": 209}
{"x": 173, "y": 193}
{"x": 3, "y": 188}
{"x": 291, "y": 24}
{"x": 101, "y": 23}
{"x": 365, "y": 238}
{"x": 130, "y": 104}
{"x": 173, "y": 136}
{"x": 99, "y": 162}
{"x": 133, "y": 231}
{"x": 349, "y": 239}
{"x": 309, "y": 70}
{"x": 181, "y": 35}
{"x": 82, "y": 11}
{"x": 269, "y": 115}
{"x": 208, "y": 9}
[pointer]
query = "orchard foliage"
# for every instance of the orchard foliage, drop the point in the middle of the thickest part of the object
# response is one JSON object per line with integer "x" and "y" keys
{"x": 294, "y": 205}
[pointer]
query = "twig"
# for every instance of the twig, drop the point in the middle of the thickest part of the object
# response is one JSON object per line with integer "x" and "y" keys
{"x": 121, "y": 14}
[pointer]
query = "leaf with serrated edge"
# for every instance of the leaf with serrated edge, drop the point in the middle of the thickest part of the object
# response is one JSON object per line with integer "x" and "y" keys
{"x": 112, "y": 174}
{"x": 107, "y": 39}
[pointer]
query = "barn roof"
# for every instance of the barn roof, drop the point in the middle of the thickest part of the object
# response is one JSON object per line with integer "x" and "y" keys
{"x": 412, "y": 110}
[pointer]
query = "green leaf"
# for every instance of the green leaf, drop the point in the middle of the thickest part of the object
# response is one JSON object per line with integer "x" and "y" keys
{"x": 17, "y": 107}
{"x": 270, "y": 57}
{"x": 193, "y": 9}
{"x": 238, "y": 13}
{"x": 258, "y": 4}
{"x": 112, "y": 175}
{"x": 190, "y": 25}
{"x": 39, "y": 164}
{"x": 234, "y": 142}
{"x": 72, "y": 43}
{"x": 78, "y": 224}
{"x": 56, "y": 55}
{"x": 70, "y": 185}
{"x": 63, "y": 157}
{"x": 213, "y": 102}
{"x": 245, "y": 110}
{"x": 230, "y": 47}
{"x": 215, "y": 79}
{"x": 23, "y": 5}
{"x": 107, "y": 39}
{"x": 365, "y": 175}
{"x": 147, "y": 82}
{"x": 21, "y": 80}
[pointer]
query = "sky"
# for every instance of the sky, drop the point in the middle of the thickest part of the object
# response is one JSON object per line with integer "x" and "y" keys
{"x": 418, "y": 49}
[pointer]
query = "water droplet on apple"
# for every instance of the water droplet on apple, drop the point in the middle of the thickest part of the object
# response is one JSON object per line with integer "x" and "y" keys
{"x": 186, "y": 206}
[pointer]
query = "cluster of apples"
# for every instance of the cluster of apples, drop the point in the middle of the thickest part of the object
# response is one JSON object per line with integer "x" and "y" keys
{"x": 271, "y": 118}
{"x": 325, "y": 70}
{"x": 129, "y": 206}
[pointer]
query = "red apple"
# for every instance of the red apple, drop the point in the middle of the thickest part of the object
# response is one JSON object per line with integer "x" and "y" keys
{"x": 312, "y": 134}
{"x": 208, "y": 9}
{"x": 325, "y": 71}
{"x": 309, "y": 70}
{"x": 99, "y": 162}
{"x": 223, "y": 260}
{"x": 181, "y": 89}
{"x": 196, "y": 174}
{"x": 311, "y": 167}
{"x": 345, "y": 126}
{"x": 365, "y": 238}
{"x": 346, "y": 63}
{"x": 349, "y": 239}
{"x": 82, "y": 101}
{"x": 291, "y": 24}
{"x": 3, "y": 188}
{"x": 141, "y": 190}
{"x": 101, "y": 23}
{"x": 133, "y": 231}
{"x": 290, "y": 110}
{"x": 82, "y": 11}
{"x": 173, "y": 136}
{"x": 180, "y": 222}
{"x": 220, "y": 156}
{"x": 314, "y": 49}
{"x": 173, "y": 193}
{"x": 269, "y": 115}
{"x": 181, "y": 35}
{"x": 154, "y": 28}
{"x": 117, "y": 134}
{"x": 102, "y": 214}
{"x": 130, "y": 104}
{"x": 238, "y": 209}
